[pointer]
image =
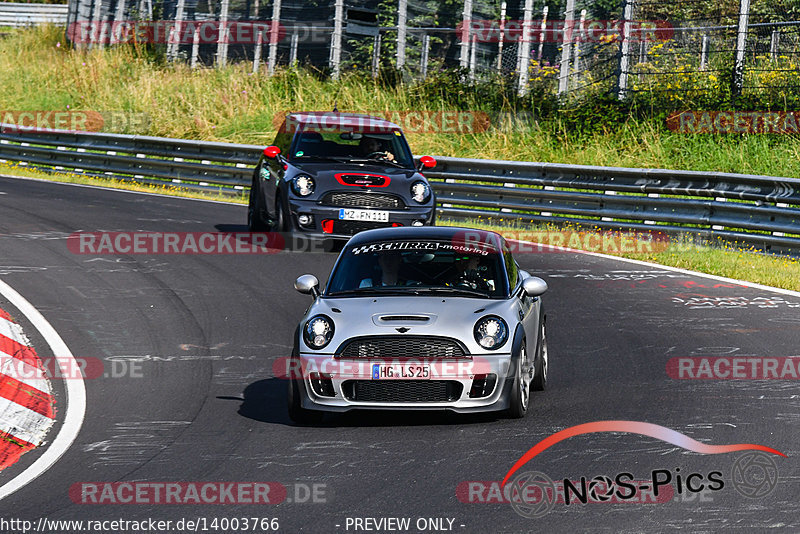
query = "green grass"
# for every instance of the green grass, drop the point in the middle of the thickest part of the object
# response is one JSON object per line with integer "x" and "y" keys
{"x": 231, "y": 104}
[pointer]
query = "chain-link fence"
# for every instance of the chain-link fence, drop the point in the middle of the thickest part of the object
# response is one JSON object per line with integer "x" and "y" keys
{"x": 568, "y": 47}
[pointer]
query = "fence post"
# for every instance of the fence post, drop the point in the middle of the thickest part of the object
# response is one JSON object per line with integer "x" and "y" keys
{"x": 293, "y": 49}
{"x": 501, "y": 37}
{"x": 741, "y": 44}
{"x": 542, "y": 32}
{"x": 472, "y": 58}
{"x": 566, "y": 43}
{"x": 95, "y": 38}
{"x": 773, "y": 46}
{"x": 704, "y": 53}
{"x": 624, "y": 53}
{"x": 336, "y": 39}
{"x": 175, "y": 33}
{"x": 402, "y": 14}
{"x": 466, "y": 32}
{"x": 119, "y": 15}
{"x": 376, "y": 55}
{"x": 195, "y": 47}
{"x": 578, "y": 41}
{"x": 257, "y": 55}
{"x": 524, "y": 49}
{"x": 274, "y": 29}
{"x": 426, "y": 48}
{"x": 222, "y": 43}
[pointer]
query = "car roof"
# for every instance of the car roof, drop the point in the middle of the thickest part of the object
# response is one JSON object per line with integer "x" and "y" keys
{"x": 434, "y": 233}
{"x": 351, "y": 120}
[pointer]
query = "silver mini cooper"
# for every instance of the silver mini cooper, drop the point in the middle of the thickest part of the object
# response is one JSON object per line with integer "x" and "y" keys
{"x": 428, "y": 318}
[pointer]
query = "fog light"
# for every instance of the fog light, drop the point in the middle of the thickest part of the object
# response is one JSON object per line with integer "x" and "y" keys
{"x": 304, "y": 219}
{"x": 417, "y": 223}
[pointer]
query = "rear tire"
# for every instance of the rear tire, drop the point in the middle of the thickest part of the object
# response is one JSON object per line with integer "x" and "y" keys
{"x": 521, "y": 388}
{"x": 542, "y": 361}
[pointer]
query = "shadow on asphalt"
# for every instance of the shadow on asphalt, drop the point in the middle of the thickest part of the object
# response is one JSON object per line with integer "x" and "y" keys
{"x": 265, "y": 401}
{"x": 289, "y": 241}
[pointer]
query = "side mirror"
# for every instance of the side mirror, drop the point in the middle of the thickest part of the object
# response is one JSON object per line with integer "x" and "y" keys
{"x": 426, "y": 162}
{"x": 272, "y": 151}
{"x": 534, "y": 286}
{"x": 308, "y": 284}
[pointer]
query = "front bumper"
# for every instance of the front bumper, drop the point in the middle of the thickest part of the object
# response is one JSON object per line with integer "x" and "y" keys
{"x": 343, "y": 229}
{"x": 457, "y": 379}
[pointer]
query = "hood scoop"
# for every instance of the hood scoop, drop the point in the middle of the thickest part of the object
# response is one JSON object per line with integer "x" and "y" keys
{"x": 403, "y": 319}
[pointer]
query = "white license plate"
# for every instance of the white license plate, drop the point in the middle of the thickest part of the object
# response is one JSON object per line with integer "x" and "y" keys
{"x": 363, "y": 215}
{"x": 400, "y": 371}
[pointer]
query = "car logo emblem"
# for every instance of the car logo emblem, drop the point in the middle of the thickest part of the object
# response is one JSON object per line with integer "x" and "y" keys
{"x": 402, "y": 329}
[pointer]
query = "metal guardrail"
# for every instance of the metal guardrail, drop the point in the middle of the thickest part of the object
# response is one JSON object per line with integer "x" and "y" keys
{"x": 760, "y": 210}
{"x": 17, "y": 15}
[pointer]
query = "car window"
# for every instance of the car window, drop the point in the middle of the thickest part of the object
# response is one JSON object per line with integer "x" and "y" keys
{"x": 511, "y": 268}
{"x": 418, "y": 265}
{"x": 352, "y": 145}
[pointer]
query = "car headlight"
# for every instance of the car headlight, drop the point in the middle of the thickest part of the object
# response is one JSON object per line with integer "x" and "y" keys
{"x": 303, "y": 185}
{"x": 491, "y": 332}
{"x": 318, "y": 331}
{"x": 420, "y": 191}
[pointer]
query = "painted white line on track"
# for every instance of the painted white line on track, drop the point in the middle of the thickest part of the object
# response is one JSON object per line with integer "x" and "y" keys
{"x": 667, "y": 267}
{"x": 75, "y": 390}
{"x": 89, "y": 186}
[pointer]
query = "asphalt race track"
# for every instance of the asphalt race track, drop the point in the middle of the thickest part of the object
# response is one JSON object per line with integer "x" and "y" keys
{"x": 188, "y": 344}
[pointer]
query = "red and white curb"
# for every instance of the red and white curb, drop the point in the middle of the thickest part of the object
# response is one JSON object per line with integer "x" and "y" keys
{"x": 27, "y": 406}
{"x": 71, "y": 412}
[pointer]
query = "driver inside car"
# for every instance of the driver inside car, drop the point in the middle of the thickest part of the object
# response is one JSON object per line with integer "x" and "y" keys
{"x": 468, "y": 273}
{"x": 370, "y": 147}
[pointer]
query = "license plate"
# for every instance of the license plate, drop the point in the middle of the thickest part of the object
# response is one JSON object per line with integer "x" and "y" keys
{"x": 363, "y": 215}
{"x": 399, "y": 371}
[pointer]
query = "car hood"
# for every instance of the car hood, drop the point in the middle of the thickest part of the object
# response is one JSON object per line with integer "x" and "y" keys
{"x": 326, "y": 172}
{"x": 444, "y": 316}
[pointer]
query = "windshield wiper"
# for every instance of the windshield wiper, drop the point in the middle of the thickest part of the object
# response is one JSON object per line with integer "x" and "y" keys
{"x": 377, "y": 162}
{"x": 462, "y": 290}
{"x": 378, "y": 290}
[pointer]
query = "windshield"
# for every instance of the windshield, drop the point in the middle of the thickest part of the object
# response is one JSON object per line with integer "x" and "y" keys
{"x": 367, "y": 147}
{"x": 419, "y": 267}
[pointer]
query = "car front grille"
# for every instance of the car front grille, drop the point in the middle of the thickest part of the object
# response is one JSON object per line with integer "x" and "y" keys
{"x": 362, "y": 200}
{"x": 402, "y": 390}
{"x": 398, "y": 347}
{"x": 353, "y": 227}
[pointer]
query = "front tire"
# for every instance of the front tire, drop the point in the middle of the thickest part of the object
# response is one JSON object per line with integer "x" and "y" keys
{"x": 297, "y": 413}
{"x": 542, "y": 361}
{"x": 281, "y": 217}
{"x": 521, "y": 388}
{"x": 255, "y": 222}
